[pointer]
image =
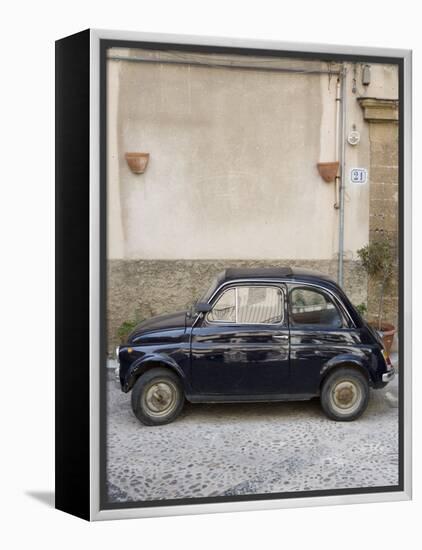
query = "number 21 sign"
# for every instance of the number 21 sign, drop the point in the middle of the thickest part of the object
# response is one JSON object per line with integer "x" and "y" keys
{"x": 359, "y": 176}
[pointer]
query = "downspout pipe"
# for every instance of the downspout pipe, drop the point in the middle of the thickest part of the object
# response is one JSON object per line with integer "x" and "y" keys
{"x": 342, "y": 187}
{"x": 338, "y": 142}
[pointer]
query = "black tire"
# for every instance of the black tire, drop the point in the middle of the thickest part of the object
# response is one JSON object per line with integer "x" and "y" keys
{"x": 157, "y": 397}
{"x": 345, "y": 394}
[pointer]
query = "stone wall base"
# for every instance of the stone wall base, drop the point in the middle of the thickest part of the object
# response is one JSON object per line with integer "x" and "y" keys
{"x": 138, "y": 289}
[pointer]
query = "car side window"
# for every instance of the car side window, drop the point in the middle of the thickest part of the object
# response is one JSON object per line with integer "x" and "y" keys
{"x": 249, "y": 305}
{"x": 224, "y": 309}
{"x": 313, "y": 308}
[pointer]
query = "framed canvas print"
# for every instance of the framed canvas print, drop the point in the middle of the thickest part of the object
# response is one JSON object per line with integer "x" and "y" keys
{"x": 233, "y": 274}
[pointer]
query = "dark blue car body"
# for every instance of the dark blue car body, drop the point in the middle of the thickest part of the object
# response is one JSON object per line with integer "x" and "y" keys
{"x": 230, "y": 361}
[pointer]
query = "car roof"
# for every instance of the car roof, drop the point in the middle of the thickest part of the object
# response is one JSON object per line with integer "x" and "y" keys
{"x": 236, "y": 273}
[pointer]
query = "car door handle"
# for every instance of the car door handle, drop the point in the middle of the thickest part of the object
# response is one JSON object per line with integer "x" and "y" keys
{"x": 281, "y": 337}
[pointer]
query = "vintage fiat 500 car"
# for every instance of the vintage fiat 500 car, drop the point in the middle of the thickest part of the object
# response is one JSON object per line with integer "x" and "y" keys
{"x": 271, "y": 334}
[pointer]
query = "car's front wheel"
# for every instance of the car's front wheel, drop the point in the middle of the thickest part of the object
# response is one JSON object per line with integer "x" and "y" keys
{"x": 157, "y": 397}
{"x": 345, "y": 394}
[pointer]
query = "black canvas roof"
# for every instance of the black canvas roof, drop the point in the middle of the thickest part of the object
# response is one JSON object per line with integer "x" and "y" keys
{"x": 234, "y": 273}
{"x": 256, "y": 272}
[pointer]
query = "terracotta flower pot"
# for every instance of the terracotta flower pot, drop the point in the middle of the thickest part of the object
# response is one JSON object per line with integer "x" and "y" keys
{"x": 387, "y": 332}
{"x": 328, "y": 170}
{"x": 137, "y": 162}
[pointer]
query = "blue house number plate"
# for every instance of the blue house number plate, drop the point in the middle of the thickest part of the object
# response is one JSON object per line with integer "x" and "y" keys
{"x": 359, "y": 176}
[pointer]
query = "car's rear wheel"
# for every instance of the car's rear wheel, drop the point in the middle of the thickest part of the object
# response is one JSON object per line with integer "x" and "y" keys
{"x": 157, "y": 397}
{"x": 345, "y": 394}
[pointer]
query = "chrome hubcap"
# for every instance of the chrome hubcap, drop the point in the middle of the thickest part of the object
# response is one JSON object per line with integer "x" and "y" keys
{"x": 160, "y": 398}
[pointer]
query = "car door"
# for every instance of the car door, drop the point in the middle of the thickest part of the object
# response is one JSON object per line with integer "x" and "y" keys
{"x": 241, "y": 346}
{"x": 320, "y": 330}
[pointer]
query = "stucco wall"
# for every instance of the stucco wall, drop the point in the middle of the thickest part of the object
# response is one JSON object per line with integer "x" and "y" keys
{"x": 233, "y": 154}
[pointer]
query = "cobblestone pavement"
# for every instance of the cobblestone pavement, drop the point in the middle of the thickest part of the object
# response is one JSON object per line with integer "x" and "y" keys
{"x": 240, "y": 449}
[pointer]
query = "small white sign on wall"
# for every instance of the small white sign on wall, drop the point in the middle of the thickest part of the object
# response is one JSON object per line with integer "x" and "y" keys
{"x": 359, "y": 176}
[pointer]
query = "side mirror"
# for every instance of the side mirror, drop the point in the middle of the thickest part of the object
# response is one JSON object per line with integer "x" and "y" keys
{"x": 202, "y": 307}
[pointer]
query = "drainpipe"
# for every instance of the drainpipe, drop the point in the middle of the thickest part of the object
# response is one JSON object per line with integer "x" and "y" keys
{"x": 340, "y": 156}
{"x": 343, "y": 178}
{"x": 338, "y": 140}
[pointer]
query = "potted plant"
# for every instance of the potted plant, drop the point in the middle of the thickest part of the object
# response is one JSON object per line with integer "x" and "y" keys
{"x": 377, "y": 260}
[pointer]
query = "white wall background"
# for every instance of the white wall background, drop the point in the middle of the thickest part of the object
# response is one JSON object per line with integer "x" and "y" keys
{"x": 26, "y": 289}
{"x": 233, "y": 159}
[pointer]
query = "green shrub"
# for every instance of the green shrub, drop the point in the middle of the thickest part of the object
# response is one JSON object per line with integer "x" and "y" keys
{"x": 377, "y": 260}
{"x": 125, "y": 329}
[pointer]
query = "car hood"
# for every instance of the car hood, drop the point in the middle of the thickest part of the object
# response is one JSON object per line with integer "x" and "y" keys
{"x": 160, "y": 322}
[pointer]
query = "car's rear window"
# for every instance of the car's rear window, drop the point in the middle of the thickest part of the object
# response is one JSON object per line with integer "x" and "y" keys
{"x": 313, "y": 308}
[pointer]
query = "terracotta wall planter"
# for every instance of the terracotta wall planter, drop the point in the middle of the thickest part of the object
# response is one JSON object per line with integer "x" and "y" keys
{"x": 387, "y": 333}
{"x": 328, "y": 170}
{"x": 137, "y": 162}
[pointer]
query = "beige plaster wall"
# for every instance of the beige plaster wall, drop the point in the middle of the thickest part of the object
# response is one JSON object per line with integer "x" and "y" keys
{"x": 232, "y": 171}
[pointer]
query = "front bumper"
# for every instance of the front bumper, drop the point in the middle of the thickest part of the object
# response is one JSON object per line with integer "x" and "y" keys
{"x": 388, "y": 376}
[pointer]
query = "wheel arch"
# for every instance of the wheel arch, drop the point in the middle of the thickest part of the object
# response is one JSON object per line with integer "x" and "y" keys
{"x": 344, "y": 362}
{"x": 148, "y": 363}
